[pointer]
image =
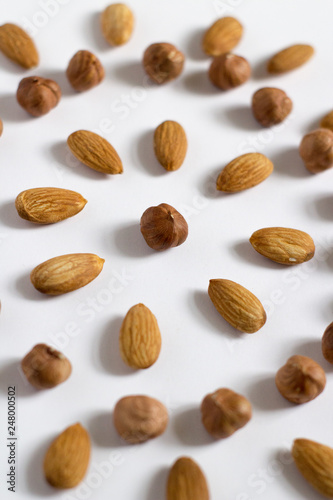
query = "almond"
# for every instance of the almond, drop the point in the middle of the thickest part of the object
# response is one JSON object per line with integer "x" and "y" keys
{"x": 186, "y": 481}
{"x": 315, "y": 463}
{"x": 95, "y": 152}
{"x": 140, "y": 338}
{"x": 283, "y": 245}
{"x": 67, "y": 459}
{"x": 289, "y": 58}
{"x": 48, "y": 205}
{"x": 117, "y": 23}
{"x": 66, "y": 273}
{"x": 244, "y": 172}
{"x": 222, "y": 36}
{"x": 170, "y": 144}
{"x": 17, "y": 45}
{"x": 237, "y": 305}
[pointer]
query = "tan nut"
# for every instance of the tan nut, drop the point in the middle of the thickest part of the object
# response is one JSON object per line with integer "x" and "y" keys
{"x": 38, "y": 95}
{"x": 327, "y": 343}
{"x": 163, "y": 62}
{"x": 316, "y": 150}
{"x": 45, "y": 367}
{"x": 117, "y": 23}
{"x": 84, "y": 71}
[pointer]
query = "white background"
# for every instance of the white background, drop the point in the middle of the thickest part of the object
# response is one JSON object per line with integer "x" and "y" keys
{"x": 200, "y": 351}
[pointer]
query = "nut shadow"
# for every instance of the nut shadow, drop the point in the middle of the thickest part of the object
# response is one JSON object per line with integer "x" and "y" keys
{"x": 28, "y": 291}
{"x": 37, "y": 484}
{"x": 147, "y": 156}
{"x": 264, "y": 394}
{"x": 323, "y": 207}
{"x": 7, "y": 65}
{"x": 62, "y": 154}
{"x": 131, "y": 73}
{"x": 242, "y": 118}
{"x": 189, "y": 428}
{"x": 296, "y": 480}
{"x": 59, "y": 76}
{"x": 109, "y": 354}
{"x": 312, "y": 349}
{"x": 199, "y": 83}
{"x": 259, "y": 69}
{"x": 289, "y": 163}
{"x": 246, "y": 252}
{"x": 129, "y": 241}
{"x": 11, "y": 375}
{"x": 158, "y": 484}
{"x": 11, "y": 111}
{"x": 10, "y": 217}
{"x": 94, "y": 25}
{"x": 313, "y": 124}
{"x": 102, "y": 431}
{"x": 193, "y": 46}
{"x": 208, "y": 185}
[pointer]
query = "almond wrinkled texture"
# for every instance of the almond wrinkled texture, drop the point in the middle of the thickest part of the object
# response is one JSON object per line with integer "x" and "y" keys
{"x": 18, "y": 46}
{"x": 67, "y": 459}
{"x": 48, "y": 205}
{"x": 244, "y": 172}
{"x": 38, "y": 95}
{"x": 224, "y": 412}
{"x": 327, "y": 343}
{"x": 66, "y": 273}
{"x": 316, "y": 150}
{"x": 186, "y": 481}
{"x": 117, "y": 22}
{"x": 140, "y": 338}
{"x": 327, "y": 121}
{"x": 315, "y": 463}
{"x": 229, "y": 71}
{"x": 300, "y": 380}
{"x": 95, "y": 152}
{"x": 170, "y": 145}
{"x": 283, "y": 245}
{"x": 271, "y": 106}
{"x": 140, "y": 418}
{"x": 222, "y": 36}
{"x": 237, "y": 305}
{"x": 289, "y": 58}
{"x": 84, "y": 71}
{"x": 163, "y": 227}
{"x": 45, "y": 367}
{"x": 163, "y": 62}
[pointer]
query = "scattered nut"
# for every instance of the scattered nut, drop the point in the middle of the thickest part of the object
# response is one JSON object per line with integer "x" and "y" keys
{"x": 170, "y": 145}
{"x": 163, "y": 62}
{"x": 18, "y": 46}
{"x": 186, "y": 481}
{"x": 38, "y": 95}
{"x": 327, "y": 343}
{"x": 1, "y": 128}
{"x": 229, "y": 71}
{"x": 222, "y": 36}
{"x": 163, "y": 227}
{"x": 289, "y": 58}
{"x": 117, "y": 23}
{"x": 316, "y": 150}
{"x": 84, "y": 71}
{"x": 45, "y": 367}
{"x": 271, "y": 106}
{"x": 300, "y": 380}
{"x": 327, "y": 121}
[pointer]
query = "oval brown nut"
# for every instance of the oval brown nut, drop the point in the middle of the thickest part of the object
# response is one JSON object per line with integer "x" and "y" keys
{"x": 140, "y": 418}
{"x": 186, "y": 481}
{"x": 327, "y": 121}
{"x": 222, "y": 36}
{"x": 66, "y": 273}
{"x": 300, "y": 380}
{"x": 67, "y": 459}
{"x": 283, "y": 245}
{"x": 327, "y": 343}
{"x": 237, "y": 305}
{"x": 38, "y": 95}
{"x": 244, "y": 172}
{"x": 45, "y": 367}
{"x": 117, "y": 22}
{"x": 271, "y": 106}
{"x": 18, "y": 46}
{"x": 48, "y": 205}
{"x": 140, "y": 338}
{"x": 163, "y": 62}
{"x": 290, "y": 58}
{"x": 316, "y": 150}
{"x": 95, "y": 152}
{"x": 224, "y": 412}
{"x": 229, "y": 71}
{"x": 170, "y": 145}
{"x": 84, "y": 71}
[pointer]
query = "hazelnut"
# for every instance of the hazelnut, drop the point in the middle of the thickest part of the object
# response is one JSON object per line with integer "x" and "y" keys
{"x": 224, "y": 412}
{"x": 327, "y": 343}
{"x": 38, "y": 95}
{"x": 300, "y": 380}
{"x": 163, "y": 62}
{"x": 140, "y": 418}
{"x": 327, "y": 121}
{"x": 316, "y": 150}
{"x": 163, "y": 227}
{"x": 229, "y": 71}
{"x": 117, "y": 23}
{"x": 84, "y": 71}
{"x": 271, "y": 106}
{"x": 45, "y": 367}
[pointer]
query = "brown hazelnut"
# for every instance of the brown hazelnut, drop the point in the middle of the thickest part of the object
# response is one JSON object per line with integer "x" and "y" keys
{"x": 327, "y": 121}
{"x": 224, "y": 412}
{"x": 163, "y": 62}
{"x": 316, "y": 150}
{"x": 300, "y": 380}
{"x": 271, "y": 106}
{"x": 84, "y": 71}
{"x": 327, "y": 343}
{"x": 140, "y": 418}
{"x": 163, "y": 227}
{"x": 229, "y": 71}
{"x": 45, "y": 367}
{"x": 38, "y": 95}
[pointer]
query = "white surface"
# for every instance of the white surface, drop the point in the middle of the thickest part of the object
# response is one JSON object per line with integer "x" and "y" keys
{"x": 200, "y": 351}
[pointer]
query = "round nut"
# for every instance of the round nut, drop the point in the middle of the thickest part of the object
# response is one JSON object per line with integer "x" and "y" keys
{"x": 38, "y": 95}
{"x": 45, "y": 367}
{"x": 140, "y": 418}
{"x": 327, "y": 343}
{"x": 117, "y": 24}
{"x": 229, "y": 71}
{"x": 224, "y": 412}
{"x": 271, "y": 106}
{"x": 327, "y": 121}
{"x": 84, "y": 71}
{"x": 300, "y": 380}
{"x": 163, "y": 62}
{"x": 316, "y": 150}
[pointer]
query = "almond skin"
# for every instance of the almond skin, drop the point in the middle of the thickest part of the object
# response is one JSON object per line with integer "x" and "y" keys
{"x": 289, "y": 59}
{"x": 237, "y": 305}
{"x": 48, "y": 205}
{"x": 222, "y": 36}
{"x": 67, "y": 459}
{"x": 95, "y": 152}
{"x": 140, "y": 338}
{"x": 244, "y": 172}
{"x": 66, "y": 273}
{"x": 117, "y": 22}
{"x": 170, "y": 145}
{"x": 186, "y": 481}
{"x": 46, "y": 367}
{"x": 18, "y": 46}
{"x": 315, "y": 463}
{"x": 283, "y": 245}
